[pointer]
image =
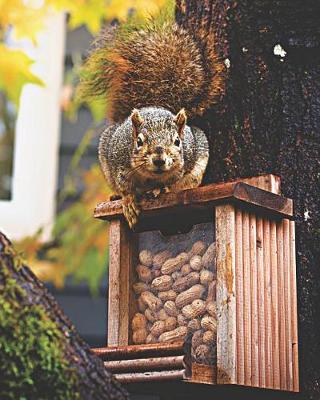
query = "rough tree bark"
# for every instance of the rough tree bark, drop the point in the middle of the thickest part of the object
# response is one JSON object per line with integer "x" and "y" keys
{"x": 269, "y": 122}
{"x": 92, "y": 381}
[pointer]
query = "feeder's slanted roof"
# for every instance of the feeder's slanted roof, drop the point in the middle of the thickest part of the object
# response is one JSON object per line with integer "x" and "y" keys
{"x": 236, "y": 192}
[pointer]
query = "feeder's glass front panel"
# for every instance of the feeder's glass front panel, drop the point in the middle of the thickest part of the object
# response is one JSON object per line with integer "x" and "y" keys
{"x": 175, "y": 290}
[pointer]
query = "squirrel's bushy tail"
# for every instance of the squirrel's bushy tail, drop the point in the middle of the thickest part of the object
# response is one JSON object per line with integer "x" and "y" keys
{"x": 159, "y": 65}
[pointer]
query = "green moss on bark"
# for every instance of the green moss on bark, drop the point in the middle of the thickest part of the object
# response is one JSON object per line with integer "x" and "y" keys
{"x": 32, "y": 360}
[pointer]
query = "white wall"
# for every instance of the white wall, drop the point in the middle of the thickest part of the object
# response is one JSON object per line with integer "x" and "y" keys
{"x": 37, "y": 140}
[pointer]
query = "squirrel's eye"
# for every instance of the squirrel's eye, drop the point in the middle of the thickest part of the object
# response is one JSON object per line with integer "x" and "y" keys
{"x": 139, "y": 142}
{"x": 177, "y": 142}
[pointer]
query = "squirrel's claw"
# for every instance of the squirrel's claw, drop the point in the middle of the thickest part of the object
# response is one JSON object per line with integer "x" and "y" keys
{"x": 155, "y": 193}
{"x": 130, "y": 210}
{"x": 114, "y": 197}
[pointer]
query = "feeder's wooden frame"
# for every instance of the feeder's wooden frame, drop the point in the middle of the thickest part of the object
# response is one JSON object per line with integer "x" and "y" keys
{"x": 257, "y": 339}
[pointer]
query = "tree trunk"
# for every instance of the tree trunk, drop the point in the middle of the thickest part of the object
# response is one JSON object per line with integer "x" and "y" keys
{"x": 25, "y": 308}
{"x": 269, "y": 122}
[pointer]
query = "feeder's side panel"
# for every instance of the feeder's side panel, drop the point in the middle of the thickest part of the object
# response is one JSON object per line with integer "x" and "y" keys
{"x": 120, "y": 256}
{"x": 226, "y": 301}
{"x": 266, "y": 311}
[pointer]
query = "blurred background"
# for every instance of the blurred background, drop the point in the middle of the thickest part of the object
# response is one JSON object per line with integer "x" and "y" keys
{"x": 50, "y": 180}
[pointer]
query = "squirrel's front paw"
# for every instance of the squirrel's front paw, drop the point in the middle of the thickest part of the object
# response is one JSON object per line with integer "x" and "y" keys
{"x": 130, "y": 210}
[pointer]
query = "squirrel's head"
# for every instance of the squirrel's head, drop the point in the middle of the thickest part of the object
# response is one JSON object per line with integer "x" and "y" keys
{"x": 158, "y": 136}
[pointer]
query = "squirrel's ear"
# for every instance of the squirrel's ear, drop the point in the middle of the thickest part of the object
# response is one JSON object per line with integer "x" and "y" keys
{"x": 136, "y": 120}
{"x": 181, "y": 120}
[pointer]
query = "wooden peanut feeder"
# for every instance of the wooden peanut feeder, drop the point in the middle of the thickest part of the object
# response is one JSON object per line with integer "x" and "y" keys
{"x": 204, "y": 289}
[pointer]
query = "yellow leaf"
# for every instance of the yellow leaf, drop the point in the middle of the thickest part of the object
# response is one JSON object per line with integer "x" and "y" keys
{"x": 49, "y": 272}
{"x": 89, "y": 12}
{"x": 25, "y": 16}
{"x": 15, "y": 72}
{"x": 120, "y": 9}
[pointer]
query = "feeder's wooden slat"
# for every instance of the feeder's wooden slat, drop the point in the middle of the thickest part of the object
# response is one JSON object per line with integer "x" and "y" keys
{"x": 254, "y": 300}
{"x": 274, "y": 305}
{"x": 150, "y": 376}
{"x": 294, "y": 315}
{"x": 119, "y": 277}
{"x": 261, "y": 304}
{"x": 145, "y": 364}
{"x": 205, "y": 195}
{"x": 287, "y": 300}
{"x": 114, "y": 272}
{"x": 140, "y": 351}
{"x": 267, "y": 303}
{"x": 281, "y": 307}
{"x": 246, "y": 297}
{"x": 226, "y": 302}
{"x": 239, "y": 299}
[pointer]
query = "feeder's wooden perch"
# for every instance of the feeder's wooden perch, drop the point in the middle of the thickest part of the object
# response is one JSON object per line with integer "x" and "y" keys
{"x": 140, "y": 363}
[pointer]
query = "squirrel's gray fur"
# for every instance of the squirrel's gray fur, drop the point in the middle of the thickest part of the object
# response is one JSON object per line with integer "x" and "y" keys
{"x": 117, "y": 143}
{"x": 120, "y": 158}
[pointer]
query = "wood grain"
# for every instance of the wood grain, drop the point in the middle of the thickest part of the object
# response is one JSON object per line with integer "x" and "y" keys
{"x": 274, "y": 306}
{"x": 203, "y": 374}
{"x": 261, "y": 303}
{"x": 239, "y": 299}
{"x": 226, "y": 302}
{"x": 145, "y": 364}
{"x": 267, "y": 302}
{"x": 268, "y": 182}
{"x": 254, "y": 301}
{"x": 246, "y": 298}
{"x": 287, "y": 300}
{"x": 150, "y": 376}
{"x": 140, "y": 351}
{"x": 119, "y": 281}
{"x": 281, "y": 307}
{"x": 294, "y": 315}
{"x": 261, "y": 198}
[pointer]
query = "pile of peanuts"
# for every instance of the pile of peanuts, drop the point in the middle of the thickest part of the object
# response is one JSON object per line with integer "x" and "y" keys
{"x": 176, "y": 296}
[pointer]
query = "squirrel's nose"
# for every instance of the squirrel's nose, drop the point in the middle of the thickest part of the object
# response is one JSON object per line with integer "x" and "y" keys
{"x": 158, "y": 162}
